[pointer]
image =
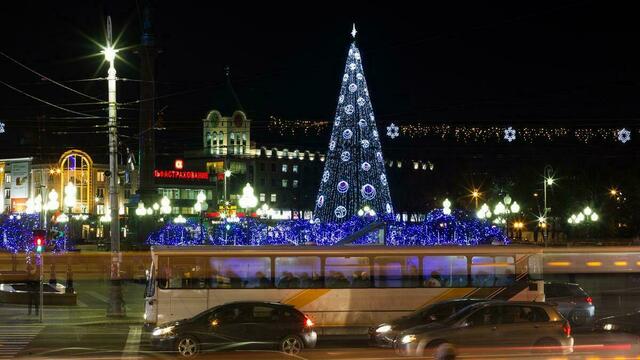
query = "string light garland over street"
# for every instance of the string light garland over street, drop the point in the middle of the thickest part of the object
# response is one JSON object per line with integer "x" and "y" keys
{"x": 465, "y": 133}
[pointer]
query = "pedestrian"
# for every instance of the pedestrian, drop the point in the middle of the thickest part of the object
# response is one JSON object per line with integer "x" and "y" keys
{"x": 33, "y": 289}
{"x": 69, "y": 288}
{"x": 52, "y": 275}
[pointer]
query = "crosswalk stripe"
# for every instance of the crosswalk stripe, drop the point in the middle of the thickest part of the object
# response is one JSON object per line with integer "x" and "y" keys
{"x": 14, "y": 338}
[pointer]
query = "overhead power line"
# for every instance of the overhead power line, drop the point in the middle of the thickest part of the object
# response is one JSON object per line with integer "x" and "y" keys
{"x": 49, "y": 79}
{"x": 46, "y": 102}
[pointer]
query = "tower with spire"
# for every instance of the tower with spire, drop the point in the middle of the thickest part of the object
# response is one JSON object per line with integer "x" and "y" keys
{"x": 354, "y": 179}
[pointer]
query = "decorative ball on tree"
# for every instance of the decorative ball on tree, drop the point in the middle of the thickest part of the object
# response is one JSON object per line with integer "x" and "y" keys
{"x": 354, "y": 174}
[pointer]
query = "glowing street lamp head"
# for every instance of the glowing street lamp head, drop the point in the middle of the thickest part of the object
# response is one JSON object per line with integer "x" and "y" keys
{"x": 475, "y": 194}
{"x": 201, "y": 197}
{"x": 227, "y": 173}
{"x": 549, "y": 181}
{"x": 587, "y": 211}
{"x": 109, "y": 53}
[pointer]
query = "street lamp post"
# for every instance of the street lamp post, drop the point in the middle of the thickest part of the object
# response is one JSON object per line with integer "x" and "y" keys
{"x": 200, "y": 207}
{"x": 547, "y": 181}
{"x": 116, "y": 306}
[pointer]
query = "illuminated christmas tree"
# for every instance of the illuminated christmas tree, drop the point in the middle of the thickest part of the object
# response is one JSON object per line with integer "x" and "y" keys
{"x": 354, "y": 179}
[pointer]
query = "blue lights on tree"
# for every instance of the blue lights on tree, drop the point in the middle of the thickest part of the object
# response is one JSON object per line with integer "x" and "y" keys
{"x": 16, "y": 232}
{"x": 354, "y": 174}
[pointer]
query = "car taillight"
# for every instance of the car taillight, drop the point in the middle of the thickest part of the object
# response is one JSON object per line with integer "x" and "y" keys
{"x": 308, "y": 322}
{"x": 566, "y": 328}
{"x": 589, "y": 300}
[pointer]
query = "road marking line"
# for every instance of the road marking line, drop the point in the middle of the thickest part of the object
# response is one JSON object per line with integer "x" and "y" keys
{"x": 97, "y": 296}
{"x": 132, "y": 346}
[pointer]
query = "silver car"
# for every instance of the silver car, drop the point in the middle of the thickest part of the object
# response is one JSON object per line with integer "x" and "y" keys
{"x": 504, "y": 326}
{"x": 572, "y": 302}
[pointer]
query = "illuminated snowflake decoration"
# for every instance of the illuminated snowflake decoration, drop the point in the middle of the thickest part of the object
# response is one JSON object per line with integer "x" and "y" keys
{"x": 393, "y": 131}
{"x": 624, "y": 135}
{"x": 1, "y": 128}
{"x": 360, "y": 101}
{"x": 368, "y": 191}
{"x": 359, "y": 76}
{"x": 343, "y": 187}
{"x": 332, "y": 145}
{"x": 383, "y": 179}
{"x": 349, "y": 109}
{"x": 509, "y": 134}
{"x": 366, "y": 91}
{"x": 357, "y": 55}
{"x": 337, "y": 122}
{"x": 345, "y": 78}
{"x": 373, "y": 118}
{"x": 353, "y": 88}
{"x": 341, "y": 99}
{"x": 320, "y": 201}
{"x": 352, "y": 66}
{"x": 366, "y": 166}
{"x": 389, "y": 208}
{"x": 375, "y": 133}
{"x": 365, "y": 144}
{"x": 325, "y": 176}
{"x": 345, "y": 156}
{"x": 347, "y": 134}
{"x": 379, "y": 156}
{"x": 340, "y": 212}
{"x": 362, "y": 123}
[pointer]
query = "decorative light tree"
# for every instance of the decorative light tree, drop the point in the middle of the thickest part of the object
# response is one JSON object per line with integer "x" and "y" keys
{"x": 354, "y": 174}
{"x": 248, "y": 200}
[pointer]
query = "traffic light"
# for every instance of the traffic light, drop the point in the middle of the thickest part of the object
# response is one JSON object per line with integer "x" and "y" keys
{"x": 39, "y": 239}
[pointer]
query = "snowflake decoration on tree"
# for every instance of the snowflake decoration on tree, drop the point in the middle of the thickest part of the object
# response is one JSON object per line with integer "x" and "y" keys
{"x": 1, "y": 127}
{"x": 509, "y": 134}
{"x": 624, "y": 135}
{"x": 393, "y": 131}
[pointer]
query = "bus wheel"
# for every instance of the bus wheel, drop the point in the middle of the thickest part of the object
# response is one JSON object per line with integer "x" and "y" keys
{"x": 188, "y": 347}
{"x": 291, "y": 345}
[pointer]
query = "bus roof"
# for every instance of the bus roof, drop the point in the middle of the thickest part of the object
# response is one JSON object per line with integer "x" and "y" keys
{"x": 343, "y": 250}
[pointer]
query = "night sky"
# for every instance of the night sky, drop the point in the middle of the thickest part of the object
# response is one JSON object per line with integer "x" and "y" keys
{"x": 570, "y": 63}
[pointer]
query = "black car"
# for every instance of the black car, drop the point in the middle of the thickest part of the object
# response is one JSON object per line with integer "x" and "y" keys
{"x": 384, "y": 334}
{"x": 629, "y": 323}
{"x": 238, "y": 325}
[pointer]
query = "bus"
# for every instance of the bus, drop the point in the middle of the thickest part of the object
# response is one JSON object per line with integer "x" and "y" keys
{"x": 344, "y": 290}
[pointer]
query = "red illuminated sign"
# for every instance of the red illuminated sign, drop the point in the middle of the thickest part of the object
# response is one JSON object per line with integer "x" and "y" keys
{"x": 178, "y": 164}
{"x": 176, "y": 174}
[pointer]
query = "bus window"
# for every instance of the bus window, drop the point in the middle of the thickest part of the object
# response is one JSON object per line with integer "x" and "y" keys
{"x": 488, "y": 271}
{"x": 396, "y": 271}
{"x": 444, "y": 271}
{"x": 240, "y": 272}
{"x": 347, "y": 272}
{"x": 182, "y": 272}
{"x": 298, "y": 272}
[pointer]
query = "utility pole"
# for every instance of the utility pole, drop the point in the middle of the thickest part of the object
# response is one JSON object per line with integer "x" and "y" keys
{"x": 115, "y": 307}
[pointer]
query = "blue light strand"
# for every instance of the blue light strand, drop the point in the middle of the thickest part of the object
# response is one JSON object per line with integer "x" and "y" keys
{"x": 457, "y": 229}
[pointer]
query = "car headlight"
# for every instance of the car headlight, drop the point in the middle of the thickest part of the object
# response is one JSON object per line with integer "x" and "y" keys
{"x": 408, "y": 339}
{"x": 608, "y": 327}
{"x": 163, "y": 331}
{"x": 383, "y": 329}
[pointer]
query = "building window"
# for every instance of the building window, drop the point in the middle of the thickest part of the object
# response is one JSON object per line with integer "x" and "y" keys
{"x": 7, "y": 178}
{"x": 263, "y": 197}
{"x": 7, "y": 193}
{"x": 100, "y": 176}
{"x": 273, "y": 198}
{"x": 273, "y": 167}
{"x": 284, "y": 168}
{"x": 294, "y": 168}
{"x": 262, "y": 181}
{"x": 100, "y": 209}
{"x": 285, "y": 182}
{"x": 294, "y": 184}
{"x": 100, "y": 192}
{"x": 261, "y": 166}
{"x": 273, "y": 182}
